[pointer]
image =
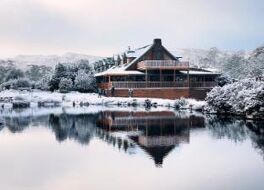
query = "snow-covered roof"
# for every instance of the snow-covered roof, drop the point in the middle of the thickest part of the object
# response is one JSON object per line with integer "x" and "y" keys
{"x": 119, "y": 70}
{"x": 137, "y": 52}
{"x": 191, "y": 72}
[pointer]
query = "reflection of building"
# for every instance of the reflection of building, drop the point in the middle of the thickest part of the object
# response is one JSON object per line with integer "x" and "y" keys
{"x": 157, "y": 133}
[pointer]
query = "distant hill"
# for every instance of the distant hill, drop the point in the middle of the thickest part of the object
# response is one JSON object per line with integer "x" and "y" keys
{"x": 50, "y": 60}
{"x": 194, "y": 56}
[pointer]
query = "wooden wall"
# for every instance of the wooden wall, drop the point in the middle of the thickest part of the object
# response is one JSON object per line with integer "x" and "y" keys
{"x": 167, "y": 93}
{"x": 154, "y": 93}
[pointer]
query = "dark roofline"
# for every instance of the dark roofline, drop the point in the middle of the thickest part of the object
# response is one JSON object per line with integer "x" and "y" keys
{"x": 155, "y": 42}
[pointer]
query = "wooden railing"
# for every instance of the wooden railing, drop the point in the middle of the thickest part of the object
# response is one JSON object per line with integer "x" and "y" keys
{"x": 162, "y": 64}
{"x": 163, "y": 84}
{"x": 204, "y": 84}
{"x": 176, "y": 84}
{"x": 148, "y": 84}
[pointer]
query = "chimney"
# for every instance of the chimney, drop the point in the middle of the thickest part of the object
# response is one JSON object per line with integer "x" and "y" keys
{"x": 157, "y": 41}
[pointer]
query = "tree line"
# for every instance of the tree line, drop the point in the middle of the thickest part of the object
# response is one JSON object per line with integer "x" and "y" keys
{"x": 65, "y": 77}
{"x": 237, "y": 65}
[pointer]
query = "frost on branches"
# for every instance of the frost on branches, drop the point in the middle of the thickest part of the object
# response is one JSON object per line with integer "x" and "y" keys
{"x": 245, "y": 97}
{"x": 84, "y": 82}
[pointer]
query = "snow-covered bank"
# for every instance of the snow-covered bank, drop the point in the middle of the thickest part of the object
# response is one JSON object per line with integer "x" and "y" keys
{"x": 78, "y": 99}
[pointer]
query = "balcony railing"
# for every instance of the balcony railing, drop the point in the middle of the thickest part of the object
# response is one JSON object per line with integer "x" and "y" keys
{"x": 162, "y": 64}
{"x": 205, "y": 84}
{"x": 163, "y": 84}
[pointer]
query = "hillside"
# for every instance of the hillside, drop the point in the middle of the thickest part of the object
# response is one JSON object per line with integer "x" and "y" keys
{"x": 50, "y": 60}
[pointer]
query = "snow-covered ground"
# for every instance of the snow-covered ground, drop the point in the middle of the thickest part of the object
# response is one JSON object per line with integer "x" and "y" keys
{"x": 69, "y": 99}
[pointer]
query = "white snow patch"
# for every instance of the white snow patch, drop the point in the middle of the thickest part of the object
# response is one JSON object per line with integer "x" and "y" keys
{"x": 69, "y": 99}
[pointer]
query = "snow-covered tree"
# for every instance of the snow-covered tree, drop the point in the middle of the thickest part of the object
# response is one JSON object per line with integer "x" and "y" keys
{"x": 71, "y": 71}
{"x": 14, "y": 73}
{"x": 118, "y": 61}
{"x": 243, "y": 97}
{"x": 255, "y": 65}
{"x": 65, "y": 85}
{"x": 84, "y": 82}
{"x": 60, "y": 72}
{"x": 224, "y": 80}
{"x": 36, "y": 72}
{"x": 234, "y": 66}
{"x": 84, "y": 65}
{"x": 43, "y": 84}
{"x": 16, "y": 84}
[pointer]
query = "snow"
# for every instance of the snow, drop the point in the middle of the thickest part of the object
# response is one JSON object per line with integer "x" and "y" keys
{"x": 245, "y": 97}
{"x": 199, "y": 72}
{"x": 118, "y": 70}
{"x": 67, "y": 100}
{"x": 138, "y": 52}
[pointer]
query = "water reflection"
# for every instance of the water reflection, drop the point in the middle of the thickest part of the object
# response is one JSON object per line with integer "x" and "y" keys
{"x": 155, "y": 133}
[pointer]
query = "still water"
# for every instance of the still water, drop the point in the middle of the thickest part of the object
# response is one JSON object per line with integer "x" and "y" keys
{"x": 128, "y": 150}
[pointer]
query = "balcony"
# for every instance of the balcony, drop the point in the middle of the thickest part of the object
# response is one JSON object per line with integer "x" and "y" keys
{"x": 162, "y": 64}
{"x": 163, "y": 84}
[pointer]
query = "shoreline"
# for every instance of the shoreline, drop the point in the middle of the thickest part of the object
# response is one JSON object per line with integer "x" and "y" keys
{"x": 72, "y": 99}
{"x": 46, "y": 99}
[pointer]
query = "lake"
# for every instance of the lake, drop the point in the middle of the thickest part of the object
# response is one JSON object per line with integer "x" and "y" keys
{"x": 51, "y": 149}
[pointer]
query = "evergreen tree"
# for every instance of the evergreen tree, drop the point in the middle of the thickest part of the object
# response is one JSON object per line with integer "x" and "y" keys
{"x": 65, "y": 85}
{"x": 60, "y": 72}
{"x": 118, "y": 60}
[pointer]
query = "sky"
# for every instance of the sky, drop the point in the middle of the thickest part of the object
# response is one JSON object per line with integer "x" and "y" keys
{"x": 104, "y": 27}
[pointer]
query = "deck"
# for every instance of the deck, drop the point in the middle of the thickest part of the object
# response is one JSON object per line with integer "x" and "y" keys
{"x": 163, "y": 65}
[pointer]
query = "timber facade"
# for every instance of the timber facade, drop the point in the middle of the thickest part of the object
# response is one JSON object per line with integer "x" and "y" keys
{"x": 152, "y": 72}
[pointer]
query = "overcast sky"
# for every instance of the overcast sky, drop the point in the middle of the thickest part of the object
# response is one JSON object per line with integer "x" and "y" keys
{"x": 103, "y": 27}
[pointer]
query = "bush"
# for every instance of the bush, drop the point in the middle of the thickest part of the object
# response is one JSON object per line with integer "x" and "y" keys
{"x": 179, "y": 103}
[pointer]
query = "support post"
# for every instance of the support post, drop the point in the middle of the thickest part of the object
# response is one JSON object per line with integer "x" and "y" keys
{"x": 146, "y": 78}
{"x": 188, "y": 78}
{"x": 160, "y": 77}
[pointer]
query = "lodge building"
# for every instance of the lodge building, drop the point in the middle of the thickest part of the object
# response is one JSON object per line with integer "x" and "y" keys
{"x": 154, "y": 72}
